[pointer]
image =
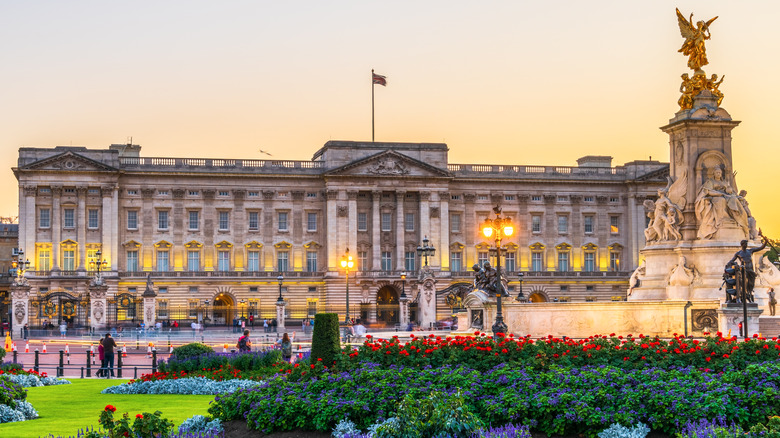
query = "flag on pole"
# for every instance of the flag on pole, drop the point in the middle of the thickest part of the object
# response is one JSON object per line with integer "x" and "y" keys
{"x": 378, "y": 79}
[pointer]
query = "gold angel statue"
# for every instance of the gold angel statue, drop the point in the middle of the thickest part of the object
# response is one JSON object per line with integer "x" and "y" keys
{"x": 695, "y": 36}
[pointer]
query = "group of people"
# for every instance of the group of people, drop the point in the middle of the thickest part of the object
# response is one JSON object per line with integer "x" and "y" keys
{"x": 269, "y": 325}
{"x": 244, "y": 345}
{"x": 106, "y": 348}
{"x": 240, "y": 324}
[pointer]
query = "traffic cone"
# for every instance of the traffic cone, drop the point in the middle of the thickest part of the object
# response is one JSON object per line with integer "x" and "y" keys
{"x": 124, "y": 350}
{"x": 149, "y": 350}
{"x": 44, "y": 348}
{"x": 224, "y": 348}
{"x": 13, "y": 346}
{"x": 67, "y": 349}
{"x": 27, "y": 347}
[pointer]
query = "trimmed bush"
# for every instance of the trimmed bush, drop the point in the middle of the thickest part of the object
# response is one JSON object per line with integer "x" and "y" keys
{"x": 2, "y": 354}
{"x": 244, "y": 361}
{"x": 191, "y": 350}
{"x": 325, "y": 343}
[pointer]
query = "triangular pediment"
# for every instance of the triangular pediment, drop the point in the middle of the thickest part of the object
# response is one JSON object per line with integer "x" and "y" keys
{"x": 69, "y": 161}
{"x": 655, "y": 175}
{"x": 390, "y": 164}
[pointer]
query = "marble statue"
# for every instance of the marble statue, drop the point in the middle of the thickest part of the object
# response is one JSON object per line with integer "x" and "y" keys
{"x": 666, "y": 214}
{"x": 716, "y": 203}
{"x": 681, "y": 274}
{"x": 772, "y": 301}
{"x": 752, "y": 231}
{"x": 634, "y": 281}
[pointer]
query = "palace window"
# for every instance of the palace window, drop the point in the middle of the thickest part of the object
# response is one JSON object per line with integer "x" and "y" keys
{"x": 362, "y": 222}
{"x": 510, "y": 262}
{"x": 563, "y": 224}
{"x": 132, "y": 219}
{"x": 132, "y": 260}
{"x": 253, "y": 261}
{"x": 282, "y": 261}
{"x": 311, "y": 222}
{"x": 410, "y": 261}
{"x": 223, "y": 261}
{"x": 69, "y": 218}
{"x": 44, "y": 260}
{"x": 536, "y": 224}
{"x": 282, "y": 220}
{"x": 254, "y": 221}
{"x": 563, "y": 260}
{"x": 614, "y": 224}
{"x": 224, "y": 220}
{"x": 614, "y": 261}
{"x": 194, "y": 220}
{"x": 311, "y": 261}
{"x": 162, "y": 219}
{"x": 588, "y": 223}
{"x": 92, "y": 218}
{"x": 44, "y": 218}
{"x": 69, "y": 260}
{"x": 193, "y": 260}
{"x": 386, "y": 221}
{"x": 162, "y": 260}
{"x": 482, "y": 258}
{"x": 409, "y": 222}
{"x": 456, "y": 261}
{"x": 363, "y": 260}
{"x": 589, "y": 264}
{"x": 455, "y": 223}
{"x": 387, "y": 261}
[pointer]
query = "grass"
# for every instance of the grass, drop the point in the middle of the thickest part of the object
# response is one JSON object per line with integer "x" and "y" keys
{"x": 64, "y": 409}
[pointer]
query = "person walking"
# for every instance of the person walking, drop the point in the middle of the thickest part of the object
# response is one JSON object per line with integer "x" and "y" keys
{"x": 102, "y": 356}
{"x": 285, "y": 344}
{"x": 265, "y": 325}
{"x": 63, "y": 329}
{"x": 108, "y": 352}
{"x": 244, "y": 344}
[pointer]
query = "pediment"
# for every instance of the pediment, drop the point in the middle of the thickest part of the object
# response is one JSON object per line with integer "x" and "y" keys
{"x": 655, "y": 175}
{"x": 389, "y": 164}
{"x": 69, "y": 161}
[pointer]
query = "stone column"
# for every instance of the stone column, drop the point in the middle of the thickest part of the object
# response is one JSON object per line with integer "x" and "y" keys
{"x": 147, "y": 226}
{"x": 426, "y": 299}
{"x": 238, "y": 230}
{"x": 56, "y": 227}
{"x": 352, "y": 219}
{"x": 107, "y": 228}
{"x": 298, "y": 221}
{"x": 280, "y": 314}
{"x": 180, "y": 221}
{"x": 331, "y": 222}
{"x": 97, "y": 304}
{"x": 20, "y": 301}
{"x": 425, "y": 218}
{"x": 29, "y": 222}
{"x": 210, "y": 219}
{"x": 444, "y": 230}
{"x": 469, "y": 230}
{"x": 267, "y": 230}
{"x": 81, "y": 230}
{"x": 376, "y": 233}
{"x": 403, "y": 317}
{"x": 400, "y": 230}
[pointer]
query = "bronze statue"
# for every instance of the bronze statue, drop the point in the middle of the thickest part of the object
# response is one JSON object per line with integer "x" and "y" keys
{"x": 745, "y": 255}
{"x": 695, "y": 36}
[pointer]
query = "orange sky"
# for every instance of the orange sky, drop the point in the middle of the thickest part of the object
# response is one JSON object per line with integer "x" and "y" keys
{"x": 499, "y": 82}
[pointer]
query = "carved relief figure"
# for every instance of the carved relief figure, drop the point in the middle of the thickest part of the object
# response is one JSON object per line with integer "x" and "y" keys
{"x": 717, "y": 202}
{"x": 19, "y": 312}
{"x": 389, "y": 167}
{"x": 681, "y": 275}
{"x": 772, "y": 301}
{"x": 98, "y": 312}
{"x": 752, "y": 230}
{"x": 666, "y": 212}
{"x": 150, "y": 313}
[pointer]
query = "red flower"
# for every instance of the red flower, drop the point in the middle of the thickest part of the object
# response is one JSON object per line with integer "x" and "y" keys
{"x": 725, "y": 356}
{"x": 139, "y": 416}
{"x": 110, "y": 408}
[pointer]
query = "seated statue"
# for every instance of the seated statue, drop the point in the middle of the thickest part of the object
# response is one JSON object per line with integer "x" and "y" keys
{"x": 716, "y": 203}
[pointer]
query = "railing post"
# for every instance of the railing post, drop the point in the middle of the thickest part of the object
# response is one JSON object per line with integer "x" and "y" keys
{"x": 37, "y": 360}
{"x": 60, "y": 370}
{"x": 119, "y": 366}
{"x": 82, "y": 372}
{"x": 154, "y": 361}
{"x": 89, "y": 365}
{"x": 135, "y": 372}
{"x": 16, "y": 358}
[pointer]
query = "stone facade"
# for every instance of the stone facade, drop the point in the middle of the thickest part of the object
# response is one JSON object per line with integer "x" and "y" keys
{"x": 215, "y": 233}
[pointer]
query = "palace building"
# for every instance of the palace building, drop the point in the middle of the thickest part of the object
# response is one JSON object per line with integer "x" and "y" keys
{"x": 222, "y": 239}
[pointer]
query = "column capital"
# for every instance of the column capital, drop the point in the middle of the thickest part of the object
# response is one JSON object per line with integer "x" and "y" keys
{"x": 332, "y": 195}
{"x": 108, "y": 190}
{"x": 178, "y": 193}
{"x": 298, "y": 195}
{"x": 81, "y": 190}
{"x": 56, "y": 190}
{"x": 425, "y": 196}
{"x": 30, "y": 190}
{"x": 352, "y": 194}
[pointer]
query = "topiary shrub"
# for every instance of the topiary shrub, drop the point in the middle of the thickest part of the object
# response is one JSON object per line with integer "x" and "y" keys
{"x": 2, "y": 353}
{"x": 191, "y": 350}
{"x": 325, "y": 343}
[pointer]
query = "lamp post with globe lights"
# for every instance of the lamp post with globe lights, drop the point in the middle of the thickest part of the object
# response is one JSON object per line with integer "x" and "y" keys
{"x": 498, "y": 228}
{"x": 347, "y": 264}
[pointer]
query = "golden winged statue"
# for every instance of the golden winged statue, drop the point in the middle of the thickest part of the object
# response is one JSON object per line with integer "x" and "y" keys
{"x": 695, "y": 36}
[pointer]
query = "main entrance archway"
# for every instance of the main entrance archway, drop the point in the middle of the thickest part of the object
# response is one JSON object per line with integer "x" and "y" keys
{"x": 387, "y": 310}
{"x": 224, "y": 306}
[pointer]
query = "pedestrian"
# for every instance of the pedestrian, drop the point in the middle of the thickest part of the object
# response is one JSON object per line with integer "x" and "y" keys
{"x": 244, "y": 344}
{"x": 273, "y": 323}
{"x": 63, "y": 329}
{"x": 285, "y": 345}
{"x": 194, "y": 327}
{"x": 108, "y": 352}
{"x": 102, "y": 356}
{"x": 25, "y": 331}
{"x": 265, "y": 325}
{"x": 252, "y": 320}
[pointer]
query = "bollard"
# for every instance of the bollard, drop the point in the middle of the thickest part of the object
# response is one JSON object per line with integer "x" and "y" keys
{"x": 232, "y": 350}
{"x": 16, "y": 358}
{"x": 60, "y": 370}
{"x": 136, "y": 340}
{"x": 135, "y": 372}
{"x": 154, "y": 361}
{"x": 89, "y": 367}
{"x": 119, "y": 366}
{"x": 35, "y": 367}
{"x": 82, "y": 372}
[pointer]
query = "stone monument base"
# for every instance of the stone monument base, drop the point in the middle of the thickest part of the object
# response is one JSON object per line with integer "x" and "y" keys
{"x": 732, "y": 314}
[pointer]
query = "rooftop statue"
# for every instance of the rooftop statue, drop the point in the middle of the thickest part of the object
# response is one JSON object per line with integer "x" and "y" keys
{"x": 695, "y": 36}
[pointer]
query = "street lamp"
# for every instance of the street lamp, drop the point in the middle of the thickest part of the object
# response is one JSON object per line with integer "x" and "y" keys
{"x": 97, "y": 263}
{"x": 426, "y": 250}
{"x": 347, "y": 264}
{"x": 242, "y": 303}
{"x": 520, "y": 296}
{"x": 20, "y": 266}
{"x": 403, "y": 285}
{"x": 280, "y": 300}
{"x": 500, "y": 228}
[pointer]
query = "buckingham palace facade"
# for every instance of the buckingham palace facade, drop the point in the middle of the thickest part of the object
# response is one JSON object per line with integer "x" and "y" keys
{"x": 215, "y": 235}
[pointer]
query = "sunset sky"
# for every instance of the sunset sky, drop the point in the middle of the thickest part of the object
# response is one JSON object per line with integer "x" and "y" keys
{"x": 499, "y": 82}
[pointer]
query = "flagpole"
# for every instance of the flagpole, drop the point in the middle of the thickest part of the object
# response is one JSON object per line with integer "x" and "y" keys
{"x": 372, "y": 105}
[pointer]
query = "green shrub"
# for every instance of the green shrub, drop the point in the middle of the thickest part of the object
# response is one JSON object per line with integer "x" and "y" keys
{"x": 15, "y": 367}
{"x": 9, "y": 392}
{"x": 191, "y": 350}
{"x": 438, "y": 414}
{"x": 325, "y": 343}
{"x": 2, "y": 353}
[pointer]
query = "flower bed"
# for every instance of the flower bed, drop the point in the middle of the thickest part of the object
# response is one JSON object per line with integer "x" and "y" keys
{"x": 483, "y": 353}
{"x": 32, "y": 380}
{"x": 555, "y": 401}
{"x": 187, "y": 385}
{"x": 248, "y": 361}
{"x": 13, "y": 406}
{"x": 222, "y": 373}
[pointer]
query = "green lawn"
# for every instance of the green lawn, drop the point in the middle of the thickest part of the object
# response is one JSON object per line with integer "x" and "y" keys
{"x": 64, "y": 409}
